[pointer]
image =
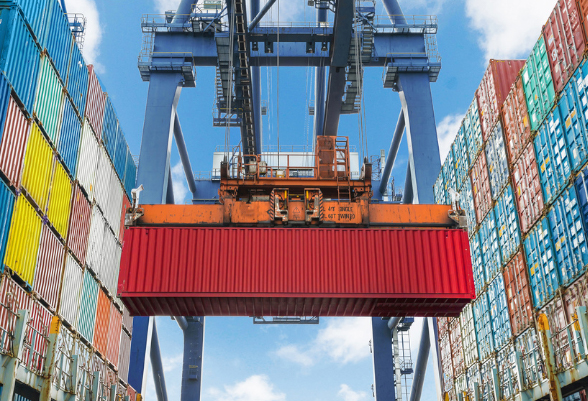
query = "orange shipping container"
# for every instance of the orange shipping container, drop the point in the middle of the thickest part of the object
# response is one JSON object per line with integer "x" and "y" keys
{"x": 518, "y": 294}
{"x": 102, "y": 321}
{"x": 114, "y": 328}
{"x": 517, "y": 129}
{"x": 525, "y": 176}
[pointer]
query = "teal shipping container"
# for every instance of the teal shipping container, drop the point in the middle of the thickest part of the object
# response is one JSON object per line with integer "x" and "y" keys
{"x": 507, "y": 223}
{"x": 473, "y": 130}
{"x": 120, "y": 159}
{"x": 483, "y": 325}
{"x": 496, "y": 160}
{"x": 87, "y": 310}
{"x": 460, "y": 157}
{"x": 49, "y": 99}
{"x": 538, "y": 84}
{"x": 477, "y": 263}
{"x": 499, "y": 312}
{"x": 130, "y": 173}
{"x": 490, "y": 247}
{"x": 20, "y": 57}
{"x": 466, "y": 202}
{"x": 110, "y": 129}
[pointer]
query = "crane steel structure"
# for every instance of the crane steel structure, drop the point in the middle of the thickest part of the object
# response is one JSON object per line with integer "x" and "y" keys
{"x": 234, "y": 42}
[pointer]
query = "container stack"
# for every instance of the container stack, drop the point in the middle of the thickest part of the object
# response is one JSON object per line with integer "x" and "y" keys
{"x": 520, "y": 165}
{"x": 66, "y": 173}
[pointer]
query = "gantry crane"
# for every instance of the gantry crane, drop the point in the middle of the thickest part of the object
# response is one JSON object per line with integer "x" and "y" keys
{"x": 234, "y": 42}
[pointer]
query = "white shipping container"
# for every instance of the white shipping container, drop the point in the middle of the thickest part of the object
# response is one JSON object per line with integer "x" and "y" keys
{"x": 97, "y": 229}
{"x": 103, "y": 174}
{"x": 85, "y": 371}
{"x": 533, "y": 367}
{"x": 487, "y": 377}
{"x": 507, "y": 372}
{"x": 111, "y": 252}
{"x": 88, "y": 160}
{"x": 468, "y": 336}
{"x": 64, "y": 352}
{"x": 113, "y": 207}
{"x": 70, "y": 291}
{"x": 461, "y": 385}
{"x": 474, "y": 381}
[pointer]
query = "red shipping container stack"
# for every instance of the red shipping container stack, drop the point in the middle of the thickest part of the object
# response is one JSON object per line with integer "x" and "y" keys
{"x": 564, "y": 39}
{"x": 525, "y": 176}
{"x": 131, "y": 393}
{"x": 37, "y": 338}
{"x": 14, "y": 143}
{"x": 517, "y": 129}
{"x": 583, "y": 8}
{"x": 79, "y": 225}
{"x": 50, "y": 262}
{"x": 495, "y": 85}
{"x": 114, "y": 328}
{"x": 456, "y": 347}
{"x": 125, "y": 205}
{"x": 12, "y": 299}
{"x": 481, "y": 188}
{"x": 95, "y": 103}
{"x": 518, "y": 294}
{"x": 102, "y": 321}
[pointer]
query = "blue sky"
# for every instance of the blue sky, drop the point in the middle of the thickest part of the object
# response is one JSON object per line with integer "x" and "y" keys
{"x": 330, "y": 361}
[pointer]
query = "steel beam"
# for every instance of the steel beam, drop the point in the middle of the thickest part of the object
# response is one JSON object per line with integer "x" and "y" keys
{"x": 384, "y": 389}
{"x": 394, "y": 11}
{"x": 63, "y": 8}
{"x": 408, "y": 195}
{"x": 259, "y": 15}
{"x": 181, "y": 144}
{"x": 193, "y": 354}
{"x": 421, "y": 134}
{"x": 393, "y": 322}
{"x": 342, "y": 27}
{"x": 140, "y": 348}
{"x": 184, "y": 10}
{"x": 319, "y": 86}
{"x": 435, "y": 354}
{"x": 182, "y": 322}
{"x": 157, "y": 366}
{"x": 421, "y": 365}
{"x": 256, "y": 84}
{"x": 392, "y": 152}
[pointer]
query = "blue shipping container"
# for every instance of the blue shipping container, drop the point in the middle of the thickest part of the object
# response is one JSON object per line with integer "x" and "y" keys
{"x": 466, "y": 202}
{"x": 573, "y": 108}
{"x": 6, "y": 207}
{"x": 69, "y": 138}
{"x": 449, "y": 175}
{"x": 109, "y": 129}
{"x": 477, "y": 263}
{"x": 20, "y": 58}
{"x": 499, "y": 312}
{"x": 58, "y": 40}
{"x": 120, "y": 160}
{"x": 460, "y": 155}
{"x": 581, "y": 185}
{"x": 497, "y": 162}
{"x": 440, "y": 193}
{"x": 473, "y": 130}
{"x": 541, "y": 263}
{"x": 4, "y": 101}
{"x": 483, "y": 325}
{"x": 77, "y": 79}
{"x": 552, "y": 156}
{"x": 130, "y": 174}
{"x": 36, "y": 13}
{"x": 507, "y": 223}
{"x": 490, "y": 248}
{"x": 567, "y": 233}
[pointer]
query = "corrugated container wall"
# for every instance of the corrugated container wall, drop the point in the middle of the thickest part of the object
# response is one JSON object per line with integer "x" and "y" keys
{"x": 477, "y": 262}
{"x": 481, "y": 188}
{"x": 473, "y": 130}
{"x": 459, "y": 150}
{"x": 529, "y": 347}
{"x": 538, "y": 84}
{"x": 4, "y": 101}
{"x": 69, "y": 137}
{"x": 77, "y": 79}
{"x": 60, "y": 200}
{"x": 88, "y": 160}
{"x": 496, "y": 159}
{"x": 518, "y": 294}
{"x": 49, "y": 267}
{"x": 495, "y": 85}
{"x": 490, "y": 246}
{"x": 517, "y": 129}
{"x": 20, "y": 57}
{"x": 109, "y": 129}
{"x": 509, "y": 235}
{"x": 70, "y": 293}
{"x": 36, "y": 13}
{"x": 38, "y": 167}
{"x": 14, "y": 297}
{"x": 456, "y": 347}
{"x": 130, "y": 173}
{"x": 14, "y": 143}
{"x": 87, "y": 308}
{"x": 6, "y": 208}
{"x": 468, "y": 335}
{"x": 507, "y": 372}
{"x": 120, "y": 159}
{"x": 79, "y": 226}
{"x": 466, "y": 202}
{"x": 527, "y": 189}
{"x": 102, "y": 320}
{"x": 499, "y": 312}
{"x": 565, "y": 41}
{"x": 95, "y": 102}
{"x": 483, "y": 325}
{"x": 114, "y": 335}
{"x": 48, "y": 100}
{"x": 58, "y": 40}
{"x": 440, "y": 193}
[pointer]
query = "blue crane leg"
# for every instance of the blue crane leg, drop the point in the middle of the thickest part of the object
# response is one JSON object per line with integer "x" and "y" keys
{"x": 421, "y": 365}
{"x": 184, "y": 10}
{"x": 396, "y": 139}
{"x": 408, "y": 196}
{"x": 383, "y": 360}
{"x": 256, "y": 90}
{"x": 394, "y": 11}
{"x": 319, "y": 86}
{"x": 193, "y": 353}
{"x": 140, "y": 346}
{"x": 157, "y": 366}
{"x": 421, "y": 134}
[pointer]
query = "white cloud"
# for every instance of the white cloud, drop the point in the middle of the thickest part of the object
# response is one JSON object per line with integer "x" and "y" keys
{"x": 161, "y": 6}
{"x": 347, "y": 394}
{"x": 446, "y": 132}
{"x": 343, "y": 340}
{"x": 508, "y": 29}
{"x": 93, "y": 33}
{"x": 171, "y": 363}
{"x": 179, "y": 183}
{"x": 254, "y": 388}
{"x": 427, "y": 6}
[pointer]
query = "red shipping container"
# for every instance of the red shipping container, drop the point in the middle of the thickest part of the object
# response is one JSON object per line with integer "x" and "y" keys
{"x": 12, "y": 299}
{"x": 525, "y": 177}
{"x": 95, "y": 103}
{"x": 456, "y": 347}
{"x": 114, "y": 328}
{"x": 564, "y": 38}
{"x": 50, "y": 263}
{"x": 481, "y": 187}
{"x": 102, "y": 321}
{"x": 583, "y": 8}
{"x": 232, "y": 271}
{"x": 517, "y": 129}
{"x": 79, "y": 225}
{"x": 14, "y": 143}
{"x": 495, "y": 85}
{"x": 126, "y": 205}
{"x": 575, "y": 295}
{"x": 124, "y": 358}
{"x": 518, "y": 294}
{"x": 131, "y": 393}
{"x": 127, "y": 319}
{"x": 36, "y": 338}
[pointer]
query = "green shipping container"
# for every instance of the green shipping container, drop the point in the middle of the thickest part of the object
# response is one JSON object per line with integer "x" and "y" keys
{"x": 538, "y": 84}
{"x": 87, "y": 311}
{"x": 49, "y": 99}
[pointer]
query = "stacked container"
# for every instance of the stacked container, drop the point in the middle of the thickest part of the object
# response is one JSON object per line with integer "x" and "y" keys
{"x": 65, "y": 174}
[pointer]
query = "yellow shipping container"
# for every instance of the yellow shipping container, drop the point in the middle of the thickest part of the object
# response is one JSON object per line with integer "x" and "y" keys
{"x": 23, "y": 240}
{"x": 38, "y": 167}
{"x": 60, "y": 200}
